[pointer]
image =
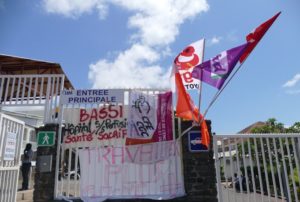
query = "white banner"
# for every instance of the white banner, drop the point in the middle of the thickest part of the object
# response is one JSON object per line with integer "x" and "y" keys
{"x": 105, "y": 174}
{"x": 92, "y": 96}
{"x": 106, "y": 125}
{"x": 142, "y": 120}
{"x": 10, "y": 147}
{"x": 151, "y": 152}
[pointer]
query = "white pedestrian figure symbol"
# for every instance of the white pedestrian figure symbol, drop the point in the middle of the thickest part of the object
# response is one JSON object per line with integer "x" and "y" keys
{"x": 46, "y": 139}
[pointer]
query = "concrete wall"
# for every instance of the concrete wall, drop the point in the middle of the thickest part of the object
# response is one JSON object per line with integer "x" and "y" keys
{"x": 44, "y": 181}
{"x": 199, "y": 171}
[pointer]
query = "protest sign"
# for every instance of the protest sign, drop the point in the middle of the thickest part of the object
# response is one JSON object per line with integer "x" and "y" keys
{"x": 105, "y": 125}
{"x": 105, "y": 174}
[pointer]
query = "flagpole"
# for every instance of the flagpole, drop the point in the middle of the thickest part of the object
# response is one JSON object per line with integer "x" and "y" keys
{"x": 221, "y": 90}
{"x": 200, "y": 83}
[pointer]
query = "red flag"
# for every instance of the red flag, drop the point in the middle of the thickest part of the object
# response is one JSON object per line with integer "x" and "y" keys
{"x": 187, "y": 60}
{"x": 205, "y": 134}
{"x": 254, "y": 37}
{"x": 185, "y": 108}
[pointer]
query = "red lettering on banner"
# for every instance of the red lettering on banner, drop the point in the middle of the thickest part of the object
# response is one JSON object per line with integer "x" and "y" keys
{"x": 187, "y": 76}
{"x": 110, "y": 135}
{"x": 126, "y": 179}
{"x": 94, "y": 114}
{"x": 83, "y": 115}
{"x": 103, "y": 113}
{"x": 128, "y": 151}
{"x": 106, "y": 154}
{"x": 148, "y": 151}
{"x": 121, "y": 111}
{"x": 89, "y": 137}
{"x": 115, "y": 155}
{"x": 113, "y": 112}
{"x": 78, "y": 138}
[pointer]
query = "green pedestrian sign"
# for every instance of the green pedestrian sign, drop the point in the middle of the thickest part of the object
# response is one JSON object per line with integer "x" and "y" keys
{"x": 46, "y": 138}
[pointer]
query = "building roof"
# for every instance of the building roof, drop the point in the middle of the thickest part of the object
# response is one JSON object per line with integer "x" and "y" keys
{"x": 245, "y": 131}
{"x": 249, "y": 128}
{"x": 13, "y": 65}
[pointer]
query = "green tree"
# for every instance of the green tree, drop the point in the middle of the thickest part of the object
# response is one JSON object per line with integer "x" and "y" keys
{"x": 294, "y": 128}
{"x": 270, "y": 126}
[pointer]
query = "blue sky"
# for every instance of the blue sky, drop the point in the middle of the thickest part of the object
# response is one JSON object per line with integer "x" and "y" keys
{"x": 119, "y": 43}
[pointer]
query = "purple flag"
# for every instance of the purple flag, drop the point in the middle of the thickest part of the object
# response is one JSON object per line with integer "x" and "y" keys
{"x": 216, "y": 70}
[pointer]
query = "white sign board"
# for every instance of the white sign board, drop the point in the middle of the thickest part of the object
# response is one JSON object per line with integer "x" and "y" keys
{"x": 10, "y": 147}
{"x": 103, "y": 126}
{"x": 92, "y": 96}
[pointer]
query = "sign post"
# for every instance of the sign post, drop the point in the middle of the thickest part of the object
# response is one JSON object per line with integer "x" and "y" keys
{"x": 46, "y": 138}
{"x": 195, "y": 142}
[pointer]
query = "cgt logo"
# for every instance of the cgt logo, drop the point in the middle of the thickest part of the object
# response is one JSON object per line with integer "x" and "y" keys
{"x": 187, "y": 59}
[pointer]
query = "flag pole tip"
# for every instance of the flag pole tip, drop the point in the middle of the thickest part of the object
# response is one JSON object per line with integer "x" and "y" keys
{"x": 278, "y": 13}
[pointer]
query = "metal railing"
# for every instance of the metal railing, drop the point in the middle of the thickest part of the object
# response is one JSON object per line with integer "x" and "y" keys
{"x": 257, "y": 167}
{"x": 32, "y": 90}
{"x": 11, "y": 135}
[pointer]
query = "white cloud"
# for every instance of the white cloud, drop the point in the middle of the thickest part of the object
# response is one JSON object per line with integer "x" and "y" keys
{"x": 131, "y": 69}
{"x": 292, "y": 82}
{"x": 213, "y": 41}
{"x": 75, "y": 8}
{"x": 216, "y": 40}
{"x": 156, "y": 24}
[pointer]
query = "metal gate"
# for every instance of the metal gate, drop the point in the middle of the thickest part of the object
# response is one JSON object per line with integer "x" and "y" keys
{"x": 67, "y": 175}
{"x": 257, "y": 167}
{"x": 11, "y": 135}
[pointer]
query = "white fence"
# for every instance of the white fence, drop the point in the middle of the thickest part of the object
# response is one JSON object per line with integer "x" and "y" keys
{"x": 257, "y": 167}
{"x": 32, "y": 90}
{"x": 11, "y": 134}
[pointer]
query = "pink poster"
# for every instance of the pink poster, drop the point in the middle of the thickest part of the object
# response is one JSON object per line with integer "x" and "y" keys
{"x": 163, "y": 130}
